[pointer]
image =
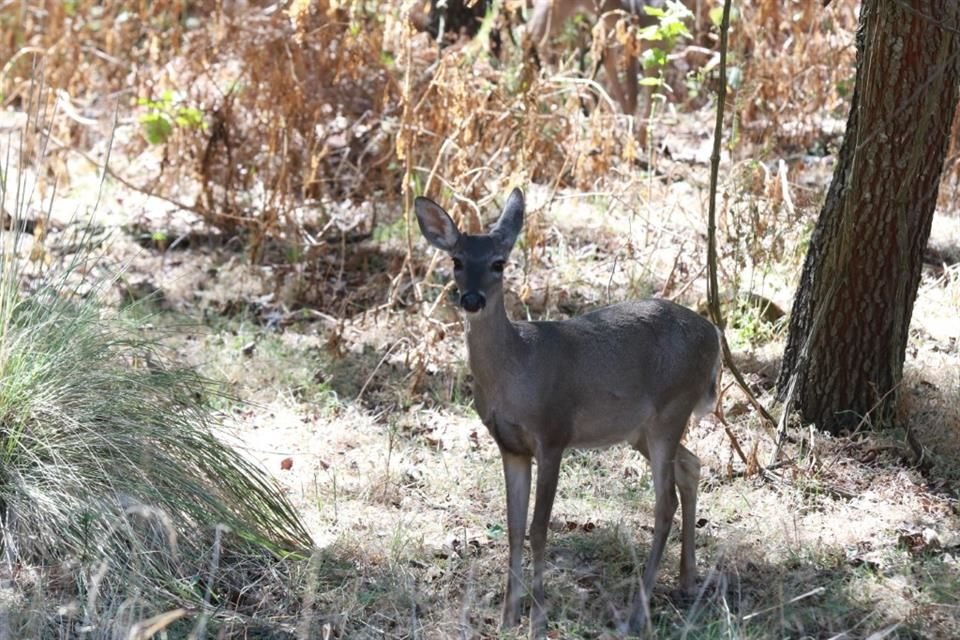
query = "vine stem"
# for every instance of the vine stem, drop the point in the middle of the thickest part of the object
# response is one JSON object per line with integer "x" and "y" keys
{"x": 713, "y": 292}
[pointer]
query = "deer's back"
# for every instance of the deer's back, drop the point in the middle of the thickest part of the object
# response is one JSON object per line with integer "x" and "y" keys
{"x": 653, "y": 335}
{"x": 597, "y": 375}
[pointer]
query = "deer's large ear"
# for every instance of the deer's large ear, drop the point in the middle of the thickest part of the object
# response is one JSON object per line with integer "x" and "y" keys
{"x": 436, "y": 225}
{"x": 510, "y": 224}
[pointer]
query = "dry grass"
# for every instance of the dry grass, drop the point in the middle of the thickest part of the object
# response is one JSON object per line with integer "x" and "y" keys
{"x": 367, "y": 422}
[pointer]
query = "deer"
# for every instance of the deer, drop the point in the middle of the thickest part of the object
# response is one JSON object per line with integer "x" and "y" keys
{"x": 632, "y": 372}
{"x": 548, "y": 16}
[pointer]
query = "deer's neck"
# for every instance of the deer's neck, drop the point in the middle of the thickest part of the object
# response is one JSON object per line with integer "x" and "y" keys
{"x": 492, "y": 342}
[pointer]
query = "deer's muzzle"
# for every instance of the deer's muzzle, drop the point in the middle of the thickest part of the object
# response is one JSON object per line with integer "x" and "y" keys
{"x": 472, "y": 301}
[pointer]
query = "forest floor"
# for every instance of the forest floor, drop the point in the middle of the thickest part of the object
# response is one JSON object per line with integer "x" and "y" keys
{"x": 360, "y": 406}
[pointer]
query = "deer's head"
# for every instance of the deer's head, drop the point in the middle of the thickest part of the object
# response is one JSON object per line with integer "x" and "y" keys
{"x": 478, "y": 260}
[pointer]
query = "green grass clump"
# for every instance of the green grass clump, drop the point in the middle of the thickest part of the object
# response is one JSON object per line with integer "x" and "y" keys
{"x": 117, "y": 500}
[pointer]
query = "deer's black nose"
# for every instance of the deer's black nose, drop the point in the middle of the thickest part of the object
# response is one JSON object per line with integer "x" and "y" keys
{"x": 472, "y": 301}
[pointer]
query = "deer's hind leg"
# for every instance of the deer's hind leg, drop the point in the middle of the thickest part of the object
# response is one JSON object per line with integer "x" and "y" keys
{"x": 687, "y": 473}
{"x": 673, "y": 467}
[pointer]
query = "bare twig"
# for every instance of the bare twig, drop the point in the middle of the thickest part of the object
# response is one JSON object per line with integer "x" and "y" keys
{"x": 734, "y": 441}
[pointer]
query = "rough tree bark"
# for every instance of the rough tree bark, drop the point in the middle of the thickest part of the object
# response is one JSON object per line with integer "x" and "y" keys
{"x": 863, "y": 264}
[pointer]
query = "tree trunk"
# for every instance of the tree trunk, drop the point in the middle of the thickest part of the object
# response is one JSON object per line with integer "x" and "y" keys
{"x": 862, "y": 269}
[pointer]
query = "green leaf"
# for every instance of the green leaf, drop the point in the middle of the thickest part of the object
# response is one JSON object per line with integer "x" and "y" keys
{"x": 190, "y": 117}
{"x": 651, "y": 33}
{"x": 156, "y": 128}
{"x": 716, "y": 16}
{"x": 654, "y": 57}
{"x": 675, "y": 29}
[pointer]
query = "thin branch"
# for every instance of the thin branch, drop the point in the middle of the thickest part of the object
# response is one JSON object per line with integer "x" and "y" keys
{"x": 713, "y": 293}
{"x": 133, "y": 187}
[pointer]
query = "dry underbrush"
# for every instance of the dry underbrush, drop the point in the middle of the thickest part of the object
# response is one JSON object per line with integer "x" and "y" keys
{"x": 330, "y": 101}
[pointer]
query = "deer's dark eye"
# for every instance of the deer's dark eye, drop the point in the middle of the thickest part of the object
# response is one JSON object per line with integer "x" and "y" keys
{"x": 497, "y": 266}
{"x": 457, "y": 264}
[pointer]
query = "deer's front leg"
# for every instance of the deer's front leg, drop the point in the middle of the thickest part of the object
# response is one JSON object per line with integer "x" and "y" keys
{"x": 548, "y": 472}
{"x": 516, "y": 471}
